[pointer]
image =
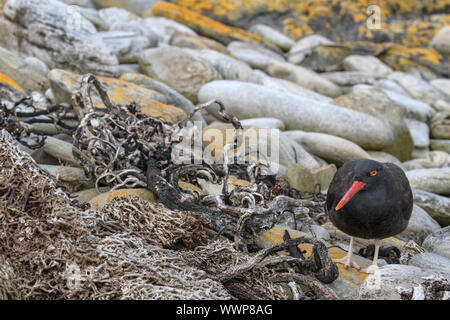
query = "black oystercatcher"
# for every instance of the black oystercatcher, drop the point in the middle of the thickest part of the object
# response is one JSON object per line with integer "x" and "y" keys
{"x": 371, "y": 200}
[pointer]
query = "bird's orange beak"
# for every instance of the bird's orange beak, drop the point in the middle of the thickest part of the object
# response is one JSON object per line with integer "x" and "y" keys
{"x": 354, "y": 189}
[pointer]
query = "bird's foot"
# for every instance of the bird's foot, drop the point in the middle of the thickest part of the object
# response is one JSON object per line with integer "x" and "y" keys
{"x": 348, "y": 261}
{"x": 370, "y": 269}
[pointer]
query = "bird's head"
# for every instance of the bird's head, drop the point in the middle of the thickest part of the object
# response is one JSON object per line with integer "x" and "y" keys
{"x": 367, "y": 176}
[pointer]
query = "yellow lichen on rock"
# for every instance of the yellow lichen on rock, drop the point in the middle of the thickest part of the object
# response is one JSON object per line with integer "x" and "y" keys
{"x": 101, "y": 200}
{"x": 7, "y": 80}
{"x": 202, "y": 24}
{"x": 65, "y": 83}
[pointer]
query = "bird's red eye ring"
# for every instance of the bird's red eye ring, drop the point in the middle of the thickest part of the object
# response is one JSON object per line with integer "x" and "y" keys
{"x": 373, "y": 173}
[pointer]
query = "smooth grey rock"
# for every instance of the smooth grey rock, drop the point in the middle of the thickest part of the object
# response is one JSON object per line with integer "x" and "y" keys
{"x": 436, "y": 180}
{"x": 432, "y": 262}
{"x": 246, "y": 100}
{"x": 442, "y": 84}
{"x": 303, "y": 47}
{"x": 440, "y": 125}
{"x": 440, "y": 144}
{"x": 331, "y": 148}
{"x": 178, "y": 69}
{"x": 228, "y": 67}
{"x": 420, "y": 132}
{"x": 307, "y": 180}
{"x": 441, "y": 41}
{"x": 303, "y": 77}
{"x": 384, "y": 157}
{"x": 420, "y": 225}
{"x": 127, "y": 46}
{"x": 136, "y": 6}
{"x": 288, "y": 86}
{"x": 114, "y": 16}
{"x": 391, "y": 86}
{"x": 270, "y": 123}
{"x": 432, "y": 159}
{"x": 27, "y": 73}
{"x": 366, "y": 64}
{"x": 173, "y": 97}
{"x": 435, "y": 205}
{"x": 390, "y": 281}
{"x": 257, "y": 56}
{"x": 35, "y": 28}
{"x": 293, "y": 153}
{"x": 439, "y": 242}
{"x": 349, "y": 78}
{"x": 422, "y": 90}
{"x": 165, "y": 28}
{"x": 273, "y": 36}
{"x": 414, "y": 108}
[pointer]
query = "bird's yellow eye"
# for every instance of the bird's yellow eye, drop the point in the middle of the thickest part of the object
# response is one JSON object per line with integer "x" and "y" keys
{"x": 373, "y": 173}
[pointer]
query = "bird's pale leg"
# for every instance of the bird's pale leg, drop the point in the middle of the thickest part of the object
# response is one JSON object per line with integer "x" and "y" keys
{"x": 348, "y": 260}
{"x": 374, "y": 265}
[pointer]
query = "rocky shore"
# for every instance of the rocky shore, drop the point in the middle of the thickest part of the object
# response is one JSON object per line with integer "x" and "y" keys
{"x": 310, "y": 72}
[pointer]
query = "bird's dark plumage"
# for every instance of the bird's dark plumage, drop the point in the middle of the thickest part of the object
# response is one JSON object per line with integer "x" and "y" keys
{"x": 381, "y": 209}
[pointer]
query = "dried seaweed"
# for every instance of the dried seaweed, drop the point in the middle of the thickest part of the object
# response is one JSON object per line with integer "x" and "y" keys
{"x": 63, "y": 252}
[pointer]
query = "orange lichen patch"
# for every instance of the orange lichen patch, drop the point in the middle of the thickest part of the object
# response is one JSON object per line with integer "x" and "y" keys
{"x": 232, "y": 10}
{"x": 7, "y": 80}
{"x": 101, "y": 200}
{"x": 414, "y": 33}
{"x": 202, "y": 24}
{"x": 274, "y": 236}
{"x": 403, "y": 58}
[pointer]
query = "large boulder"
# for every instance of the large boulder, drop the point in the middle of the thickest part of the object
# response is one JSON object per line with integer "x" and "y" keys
{"x": 246, "y": 100}
{"x": 331, "y": 148}
{"x": 178, "y": 69}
